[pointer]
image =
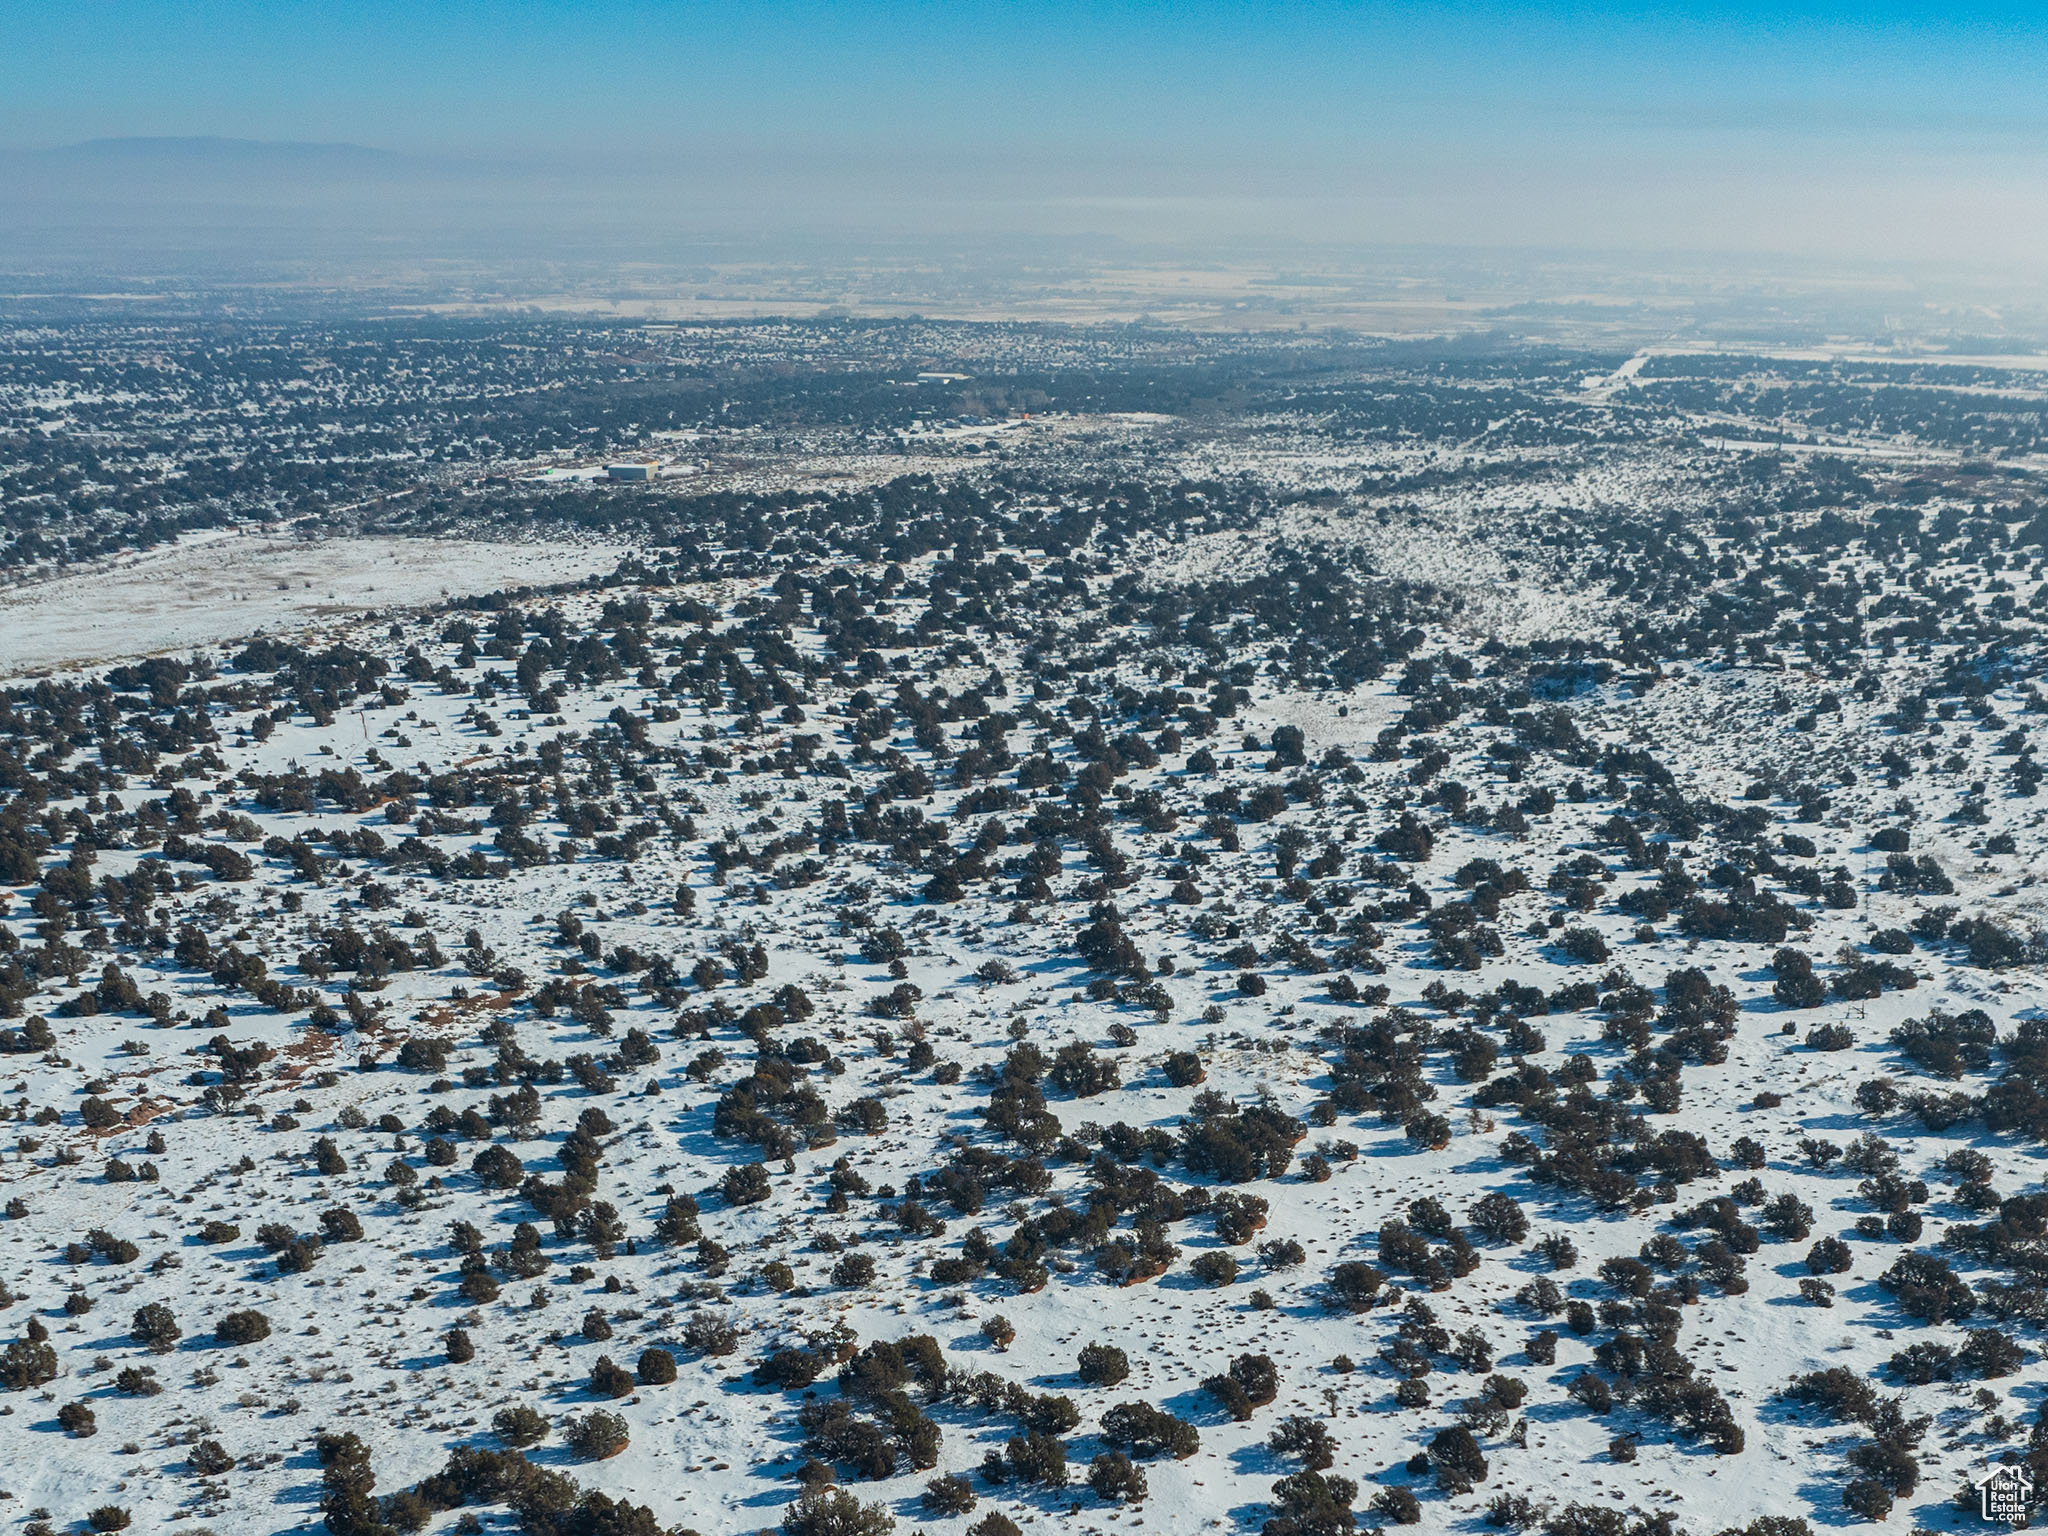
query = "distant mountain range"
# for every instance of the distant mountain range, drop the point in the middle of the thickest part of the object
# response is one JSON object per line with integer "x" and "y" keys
{"x": 222, "y": 205}
{"x": 142, "y": 202}
{"x": 202, "y": 162}
{"x": 209, "y": 150}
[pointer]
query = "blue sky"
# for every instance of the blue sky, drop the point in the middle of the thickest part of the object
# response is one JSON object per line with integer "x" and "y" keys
{"x": 553, "y": 77}
{"x": 1405, "y": 122}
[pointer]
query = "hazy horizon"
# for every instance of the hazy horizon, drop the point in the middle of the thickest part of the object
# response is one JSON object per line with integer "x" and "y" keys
{"x": 1892, "y": 141}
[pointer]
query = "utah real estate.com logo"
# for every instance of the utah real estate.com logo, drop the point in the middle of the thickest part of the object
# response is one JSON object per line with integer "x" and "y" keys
{"x": 2006, "y": 1495}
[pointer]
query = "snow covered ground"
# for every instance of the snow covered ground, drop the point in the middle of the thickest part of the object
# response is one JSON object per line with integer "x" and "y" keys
{"x": 212, "y": 588}
{"x": 647, "y": 704}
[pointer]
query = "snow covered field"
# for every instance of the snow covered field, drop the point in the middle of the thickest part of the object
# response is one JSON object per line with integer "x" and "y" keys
{"x": 1475, "y": 968}
{"x": 213, "y": 588}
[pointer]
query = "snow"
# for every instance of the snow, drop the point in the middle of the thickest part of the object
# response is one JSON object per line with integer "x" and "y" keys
{"x": 210, "y": 589}
{"x": 357, "y": 1340}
